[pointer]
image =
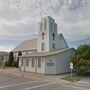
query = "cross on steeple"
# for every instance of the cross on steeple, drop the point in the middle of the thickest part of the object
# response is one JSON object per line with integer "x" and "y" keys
{"x": 53, "y": 36}
{"x": 43, "y": 35}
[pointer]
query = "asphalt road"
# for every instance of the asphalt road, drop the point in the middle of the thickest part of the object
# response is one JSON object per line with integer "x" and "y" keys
{"x": 9, "y": 82}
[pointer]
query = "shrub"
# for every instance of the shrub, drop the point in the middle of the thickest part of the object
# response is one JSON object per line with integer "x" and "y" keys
{"x": 15, "y": 64}
{"x": 82, "y": 66}
{"x": 11, "y": 59}
{"x": 7, "y": 64}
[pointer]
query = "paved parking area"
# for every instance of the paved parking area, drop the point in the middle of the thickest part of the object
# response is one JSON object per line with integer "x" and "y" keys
{"x": 11, "y": 82}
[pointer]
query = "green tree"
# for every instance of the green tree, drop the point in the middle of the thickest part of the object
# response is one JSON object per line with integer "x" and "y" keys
{"x": 83, "y": 51}
{"x": 11, "y": 59}
{"x": 82, "y": 60}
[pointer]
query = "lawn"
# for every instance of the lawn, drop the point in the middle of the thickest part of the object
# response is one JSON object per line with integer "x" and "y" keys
{"x": 74, "y": 78}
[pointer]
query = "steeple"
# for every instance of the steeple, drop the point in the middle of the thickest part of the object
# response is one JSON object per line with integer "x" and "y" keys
{"x": 47, "y": 33}
{"x": 48, "y": 39}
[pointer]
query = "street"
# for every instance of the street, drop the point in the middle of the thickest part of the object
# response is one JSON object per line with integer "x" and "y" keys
{"x": 10, "y": 82}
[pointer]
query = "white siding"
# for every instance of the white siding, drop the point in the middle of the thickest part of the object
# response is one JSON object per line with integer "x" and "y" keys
{"x": 55, "y": 64}
{"x": 42, "y": 69}
{"x": 34, "y": 69}
{"x": 63, "y": 61}
{"x": 50, "y": 69}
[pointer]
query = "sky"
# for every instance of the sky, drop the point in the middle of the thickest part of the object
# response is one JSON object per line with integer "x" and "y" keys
{"x": 19, "y": 20}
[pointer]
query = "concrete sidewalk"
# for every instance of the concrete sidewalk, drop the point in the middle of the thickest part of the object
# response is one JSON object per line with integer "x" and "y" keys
{"x": 33, "y": 76}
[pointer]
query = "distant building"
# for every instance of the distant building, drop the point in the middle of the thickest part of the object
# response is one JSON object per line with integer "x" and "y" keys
{"x": 48, "y": 54}
{"x": 4, "y": 57}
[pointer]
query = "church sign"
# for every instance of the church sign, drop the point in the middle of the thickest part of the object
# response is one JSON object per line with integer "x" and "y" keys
{"x": 50, "y": 63}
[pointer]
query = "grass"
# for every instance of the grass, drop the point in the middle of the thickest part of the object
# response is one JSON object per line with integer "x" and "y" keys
{"x": 74, "y": 78}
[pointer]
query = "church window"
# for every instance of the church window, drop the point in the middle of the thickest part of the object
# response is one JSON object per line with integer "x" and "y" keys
{"x": 53, "y": 35}
{"x": 39, "y": 63}
{"x": 45, "y": 25}
{"x": 27, "y": 62}
{"x": 33, "y": 61}
{"x": 53, "y": 45}
{"x": 40, "y": 26}
{"x": 51, "y": 26}
{"x": 42, "y": 46}
{"x": 22, "y": 62}
{"x": 43, "y": 35}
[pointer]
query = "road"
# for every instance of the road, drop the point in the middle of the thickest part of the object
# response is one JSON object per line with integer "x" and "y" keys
{"x": 10, "y": 82}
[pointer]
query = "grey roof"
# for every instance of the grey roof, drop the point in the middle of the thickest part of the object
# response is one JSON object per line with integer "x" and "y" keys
{"x": 26, "y": 45}
{"x": 51, "y": 53}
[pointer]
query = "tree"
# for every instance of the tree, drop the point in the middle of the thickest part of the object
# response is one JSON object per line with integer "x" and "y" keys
{"x": 11, "y": 59}
{"x": 82, "y": 60}
{"x": 83, "y": 51}
{"x": 19, "y": 53}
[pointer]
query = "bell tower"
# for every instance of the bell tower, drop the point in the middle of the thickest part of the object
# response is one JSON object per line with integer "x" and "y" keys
{"x": 47, "y": 34}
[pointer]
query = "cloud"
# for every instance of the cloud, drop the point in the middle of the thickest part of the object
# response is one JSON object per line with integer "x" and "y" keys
{"x": 19, "y": 18}
{"x": 6, "y": 48}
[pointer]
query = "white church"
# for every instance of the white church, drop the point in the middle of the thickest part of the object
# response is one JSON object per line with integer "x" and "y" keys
{"x": 48, "y": 53}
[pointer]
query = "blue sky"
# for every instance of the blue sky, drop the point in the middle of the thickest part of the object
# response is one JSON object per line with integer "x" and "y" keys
{"x": 19, "y": 20}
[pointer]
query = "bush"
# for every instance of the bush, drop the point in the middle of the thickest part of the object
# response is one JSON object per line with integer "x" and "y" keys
{"x": 7, "y": 64}
{"x": 82, "y": 60}
{"x": 15, "y": 64}
{"x": 83, "y": 51}
{"x": 11, "y": 59}
{"x": 82, "y": 66}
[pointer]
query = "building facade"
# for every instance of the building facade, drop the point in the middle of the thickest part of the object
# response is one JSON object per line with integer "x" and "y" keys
{"x": 52, "y": 54}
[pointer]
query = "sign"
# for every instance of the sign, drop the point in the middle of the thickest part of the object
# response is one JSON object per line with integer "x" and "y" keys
{"x": 71, "y": 65}
{"x": 50, "y": 64}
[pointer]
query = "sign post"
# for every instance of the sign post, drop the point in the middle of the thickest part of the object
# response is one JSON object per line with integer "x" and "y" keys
{"x": 71, "y": 68}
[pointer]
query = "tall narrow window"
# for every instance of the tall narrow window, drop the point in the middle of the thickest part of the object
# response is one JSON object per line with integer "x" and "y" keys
{"x": 45, "y": 24}
{"x": 51, "y": 26}
{"x": 42, "y": 46}
{"x": 33, "y": 62}
{"x": 40, "y": 26}
{"x": 53, "y": 45}
{"x": 39, "y": 63}
{"x": 22, "y": 62}
{"x": 53, "y": 35}
{"x": 27, "y": 62}
{"x": 43, "y": 35}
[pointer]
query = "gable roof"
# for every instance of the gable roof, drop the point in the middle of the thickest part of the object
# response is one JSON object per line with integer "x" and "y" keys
{"x": 26, "y": 45}
{"x": 61, "y": 36}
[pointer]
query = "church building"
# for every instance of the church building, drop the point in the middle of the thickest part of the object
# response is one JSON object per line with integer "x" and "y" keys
{"x": 48, "y": 54}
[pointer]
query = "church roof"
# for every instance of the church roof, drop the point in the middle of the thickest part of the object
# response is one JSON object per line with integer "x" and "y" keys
{"x": 27, "y": 45}
{"x": 43, "y": 54}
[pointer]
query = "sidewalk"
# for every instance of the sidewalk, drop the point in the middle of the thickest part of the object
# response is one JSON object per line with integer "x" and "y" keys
{"x": 33, "y": 76}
